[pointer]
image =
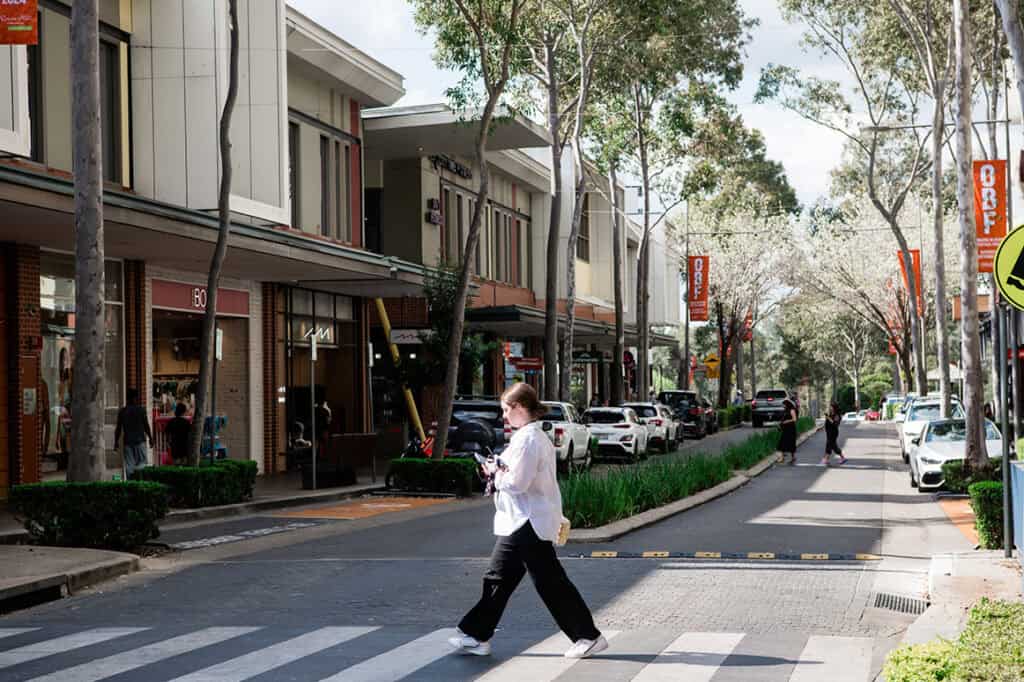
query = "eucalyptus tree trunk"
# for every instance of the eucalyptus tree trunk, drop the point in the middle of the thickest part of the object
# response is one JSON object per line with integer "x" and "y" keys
{"x": 643, "y": 257}
{"x": 939, "y": 250}
{"x": 88, "y": 400}
{"x": 975, "y": 452}
{"x": 619, "y": 351}
{"x": 206, "y": 358}
{"x": 565, "y": 388}
{"x": 551, "y": 382}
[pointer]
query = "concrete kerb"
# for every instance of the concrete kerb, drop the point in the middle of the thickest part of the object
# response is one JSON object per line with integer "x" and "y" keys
{"x": 63, "y": 575}
{"x": 617, "y": 529}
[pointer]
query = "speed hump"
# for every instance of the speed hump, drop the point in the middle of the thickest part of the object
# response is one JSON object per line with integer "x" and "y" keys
{"x": 1008, "y": 268}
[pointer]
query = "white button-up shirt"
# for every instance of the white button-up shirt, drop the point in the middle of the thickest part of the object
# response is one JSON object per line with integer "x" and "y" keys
{"x": 528, "y": 491}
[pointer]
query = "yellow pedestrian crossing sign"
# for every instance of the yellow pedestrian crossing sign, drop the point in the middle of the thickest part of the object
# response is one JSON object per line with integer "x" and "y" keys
{"x": 712, "y": 363}
{"x": 1008, "y": 268}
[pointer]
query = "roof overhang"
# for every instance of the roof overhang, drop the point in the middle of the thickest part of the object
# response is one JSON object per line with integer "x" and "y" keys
{"x": 404, "y": 132}
{"x": 517, "y": 320}
{"x": 318, "y": 52}
{"x": 39, "y": 209}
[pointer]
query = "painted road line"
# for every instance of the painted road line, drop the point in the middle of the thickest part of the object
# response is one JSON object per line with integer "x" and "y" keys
{"x": 708, "y": 555}
{"x": 760, "y": 555}
{"x": 542, "y": 662}
{"x": 11, "y": 632}
{"x": 868, "y": 557}
{"x": 59, "y": 645}
{"x": 655, "y": 555}
{"x": 242, "y": 535}
{"x": 743, "y": 556}
{"x": 143, "y": 656}
{"x": 694, "y": 657}
{"x": 604, "y": 555}
{"x": 399, "y": 662}
{"x": 276, "y": 655}
{"x": 814, "y": 557}
{"x": 836, "y": 659}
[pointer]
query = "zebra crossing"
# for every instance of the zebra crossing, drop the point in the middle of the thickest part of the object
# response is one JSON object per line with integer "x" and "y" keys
{"x": 368, "y": 653}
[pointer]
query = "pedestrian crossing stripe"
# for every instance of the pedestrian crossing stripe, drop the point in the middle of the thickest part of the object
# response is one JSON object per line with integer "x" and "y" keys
{"x": 671, "y": 656}
{"x": 754, "y": 556}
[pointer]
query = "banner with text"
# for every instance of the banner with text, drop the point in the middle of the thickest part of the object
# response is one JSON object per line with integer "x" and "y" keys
{"x": 915, "y": 256}
{"x": 19, "y": 22}
{"x": 697, "y": 290}
{"x": 989, "y": 209}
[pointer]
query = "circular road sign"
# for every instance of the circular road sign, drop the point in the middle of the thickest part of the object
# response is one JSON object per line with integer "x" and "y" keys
{"x": 1008, "y": 268}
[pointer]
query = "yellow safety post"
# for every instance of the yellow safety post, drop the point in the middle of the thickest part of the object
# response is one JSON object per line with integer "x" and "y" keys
{"x": 410, "y": 403}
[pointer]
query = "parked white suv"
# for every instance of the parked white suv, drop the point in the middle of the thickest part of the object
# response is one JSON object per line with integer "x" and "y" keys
{"x": 618, "y": 430}
{"x": 661, "y": 431}
{"x": 570, "y": 436}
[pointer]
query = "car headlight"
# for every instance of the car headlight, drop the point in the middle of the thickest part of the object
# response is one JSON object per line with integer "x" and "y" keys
{"x": 930, "y": 460}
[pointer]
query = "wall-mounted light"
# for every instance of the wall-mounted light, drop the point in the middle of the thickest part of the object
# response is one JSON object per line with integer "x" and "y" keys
{"x": 412, "y": 356}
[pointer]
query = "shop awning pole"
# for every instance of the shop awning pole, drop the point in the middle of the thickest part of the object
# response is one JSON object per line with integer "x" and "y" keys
{"x": 410, "y": 403}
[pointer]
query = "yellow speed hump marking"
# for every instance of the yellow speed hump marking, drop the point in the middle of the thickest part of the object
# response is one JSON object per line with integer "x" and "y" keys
{"x": 1008, "y": 268}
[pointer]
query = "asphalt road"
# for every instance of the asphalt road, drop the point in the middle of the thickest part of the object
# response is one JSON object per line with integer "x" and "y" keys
{"x": 374, "y": 598}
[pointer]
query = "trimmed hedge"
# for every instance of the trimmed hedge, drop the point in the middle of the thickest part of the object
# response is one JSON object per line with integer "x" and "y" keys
{"x": 733, "y": 415}
{"x": 100, "y": 514}
{"x": 589, "y": 501}
{"x": 958, "y": 482}
{"x": 990, "y": 649}
{"x": 987, "y": 503}
{"x": 225, "y": 481}
{"x": 449, "y": 475}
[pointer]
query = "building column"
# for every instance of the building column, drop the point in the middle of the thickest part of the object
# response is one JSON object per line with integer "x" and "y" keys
{"x": 135, "y": 327}
{"x": 25, "y": 394}
{"x": 272, "y": 417}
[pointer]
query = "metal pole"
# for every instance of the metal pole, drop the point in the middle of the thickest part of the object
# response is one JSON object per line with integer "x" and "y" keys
{"x": 999, "y": 352}
{"x": 686, "y": 319}
{"x": 1007, "y": 533}
{"x": 213, "y": 402}
{"x": 312, "y": 401}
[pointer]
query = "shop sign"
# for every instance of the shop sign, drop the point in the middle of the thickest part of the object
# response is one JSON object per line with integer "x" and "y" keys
{"x": 527, "y": 363}
{"x": 989, "y": 209}
{"x": 915, "y": 257}
{"x": 586, "y": 357}
{"x": 513, "y": 349}
{"x": 446, "y": 163}
{"x": 19, "y": 22}
{"x": 191, "y": 298}
{"x": 407, "y": 337}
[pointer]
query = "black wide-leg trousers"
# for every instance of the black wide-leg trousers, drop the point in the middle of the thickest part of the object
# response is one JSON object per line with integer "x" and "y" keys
{"x": 513, "y": 556}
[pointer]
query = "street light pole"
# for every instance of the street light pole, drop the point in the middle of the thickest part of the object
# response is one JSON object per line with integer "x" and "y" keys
{"x": 686, "y": 317}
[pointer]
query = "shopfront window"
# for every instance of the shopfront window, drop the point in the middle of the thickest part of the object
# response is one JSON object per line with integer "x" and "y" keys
{"x": 57, "y": 324}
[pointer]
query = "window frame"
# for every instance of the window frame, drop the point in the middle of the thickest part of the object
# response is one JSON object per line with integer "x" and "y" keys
{"x": 583, "y": 236}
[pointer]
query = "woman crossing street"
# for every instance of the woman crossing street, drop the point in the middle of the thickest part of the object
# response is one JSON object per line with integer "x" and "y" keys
{"x": 832, "y": 420}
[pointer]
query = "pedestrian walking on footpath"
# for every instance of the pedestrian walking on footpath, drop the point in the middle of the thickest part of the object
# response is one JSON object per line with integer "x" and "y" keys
{"x": 832, "y": 420}
{"x": 527, "y": 520}
{"x": 132, "y": 422}
{"x": 787, "y": 440}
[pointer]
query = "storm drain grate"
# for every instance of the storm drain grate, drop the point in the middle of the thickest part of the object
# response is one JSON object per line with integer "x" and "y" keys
{"x": 900, "y": 603}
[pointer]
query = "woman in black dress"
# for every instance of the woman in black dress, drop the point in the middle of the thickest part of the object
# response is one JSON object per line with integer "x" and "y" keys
{"x": 832, "y": 420}
{"x": 787, "y": 441}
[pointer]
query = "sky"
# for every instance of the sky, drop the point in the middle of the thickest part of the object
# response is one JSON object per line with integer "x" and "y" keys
{"x": 385, "y": 30}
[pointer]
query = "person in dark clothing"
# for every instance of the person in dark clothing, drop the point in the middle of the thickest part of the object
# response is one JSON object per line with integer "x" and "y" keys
{"x": 832, "y": 420}
{"x": 179, "y": 431}
{"x": 787, "y": 441}
{"x": 132, "y": 422}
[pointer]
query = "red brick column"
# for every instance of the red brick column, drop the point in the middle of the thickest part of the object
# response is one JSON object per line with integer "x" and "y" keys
{"x": 23, "y": 355}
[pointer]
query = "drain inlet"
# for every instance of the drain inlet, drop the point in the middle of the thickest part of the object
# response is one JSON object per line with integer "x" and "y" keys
{"x": 900, "y": 603}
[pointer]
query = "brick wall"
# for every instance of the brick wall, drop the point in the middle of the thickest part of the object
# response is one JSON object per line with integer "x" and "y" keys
{"x": 22, "y": 265}
{"x": 404, "y": 313}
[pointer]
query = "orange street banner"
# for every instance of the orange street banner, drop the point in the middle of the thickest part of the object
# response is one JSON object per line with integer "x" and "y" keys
{"x": 19, "y": 22}
{"x": 697, "y": 298}
{"x": 915, "y": 256}
{"x": 989, "y": 209}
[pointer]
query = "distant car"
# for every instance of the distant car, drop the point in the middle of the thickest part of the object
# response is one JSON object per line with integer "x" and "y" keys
{"x": 570, "y": 436}
{"x": 658, "y": 428}
{"x": 675, "y": 427}
{"x": 943, "y": 441}
{"x": 469, "y": 413}
{"x": 873, "y": 415}
{"x": 619, "y": 432}
{"x": 688, "y": 410}
{"x": 767, "y": 406}
{"x": 850, "y": 417}
{"x": 710, "y": 416}
{"x": 862, "y": 415}
{"x": 918, "y": 414}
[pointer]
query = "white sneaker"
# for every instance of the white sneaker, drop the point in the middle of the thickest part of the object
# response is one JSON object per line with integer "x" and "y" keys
{"x": 584, "y": 648}
{"x": 464, "y": 644}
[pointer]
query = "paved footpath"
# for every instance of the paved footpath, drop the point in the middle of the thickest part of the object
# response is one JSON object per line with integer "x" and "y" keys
{"x": 374, "y": 599}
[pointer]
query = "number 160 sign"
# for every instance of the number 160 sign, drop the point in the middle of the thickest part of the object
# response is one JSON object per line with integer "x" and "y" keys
{"x": 989, "y": 209}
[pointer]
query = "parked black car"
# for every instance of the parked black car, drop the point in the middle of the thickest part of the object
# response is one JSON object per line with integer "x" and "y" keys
{"x": 688, "y": 409}
{"x": 767, "y": 406}
{"x": 470, "y": 415}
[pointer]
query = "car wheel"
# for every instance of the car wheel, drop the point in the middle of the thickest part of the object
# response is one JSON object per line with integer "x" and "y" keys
{"x": 905, "y": 455}
{"x": 570, "y": 462}
{"x": 913, "y": 481}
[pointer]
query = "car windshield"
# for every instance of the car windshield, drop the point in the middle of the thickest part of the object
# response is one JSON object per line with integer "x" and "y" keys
{"x": 644, "y": 410}
{"x": 478, "y": 412}
{"x": 931, "y": 412}
{"x": 770, "y": 395}
{"x": 677, "y": 399}
{"x": 947, "y": 432}
{"x": 604, "y": 417}
{"x": 555, "y": 413}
